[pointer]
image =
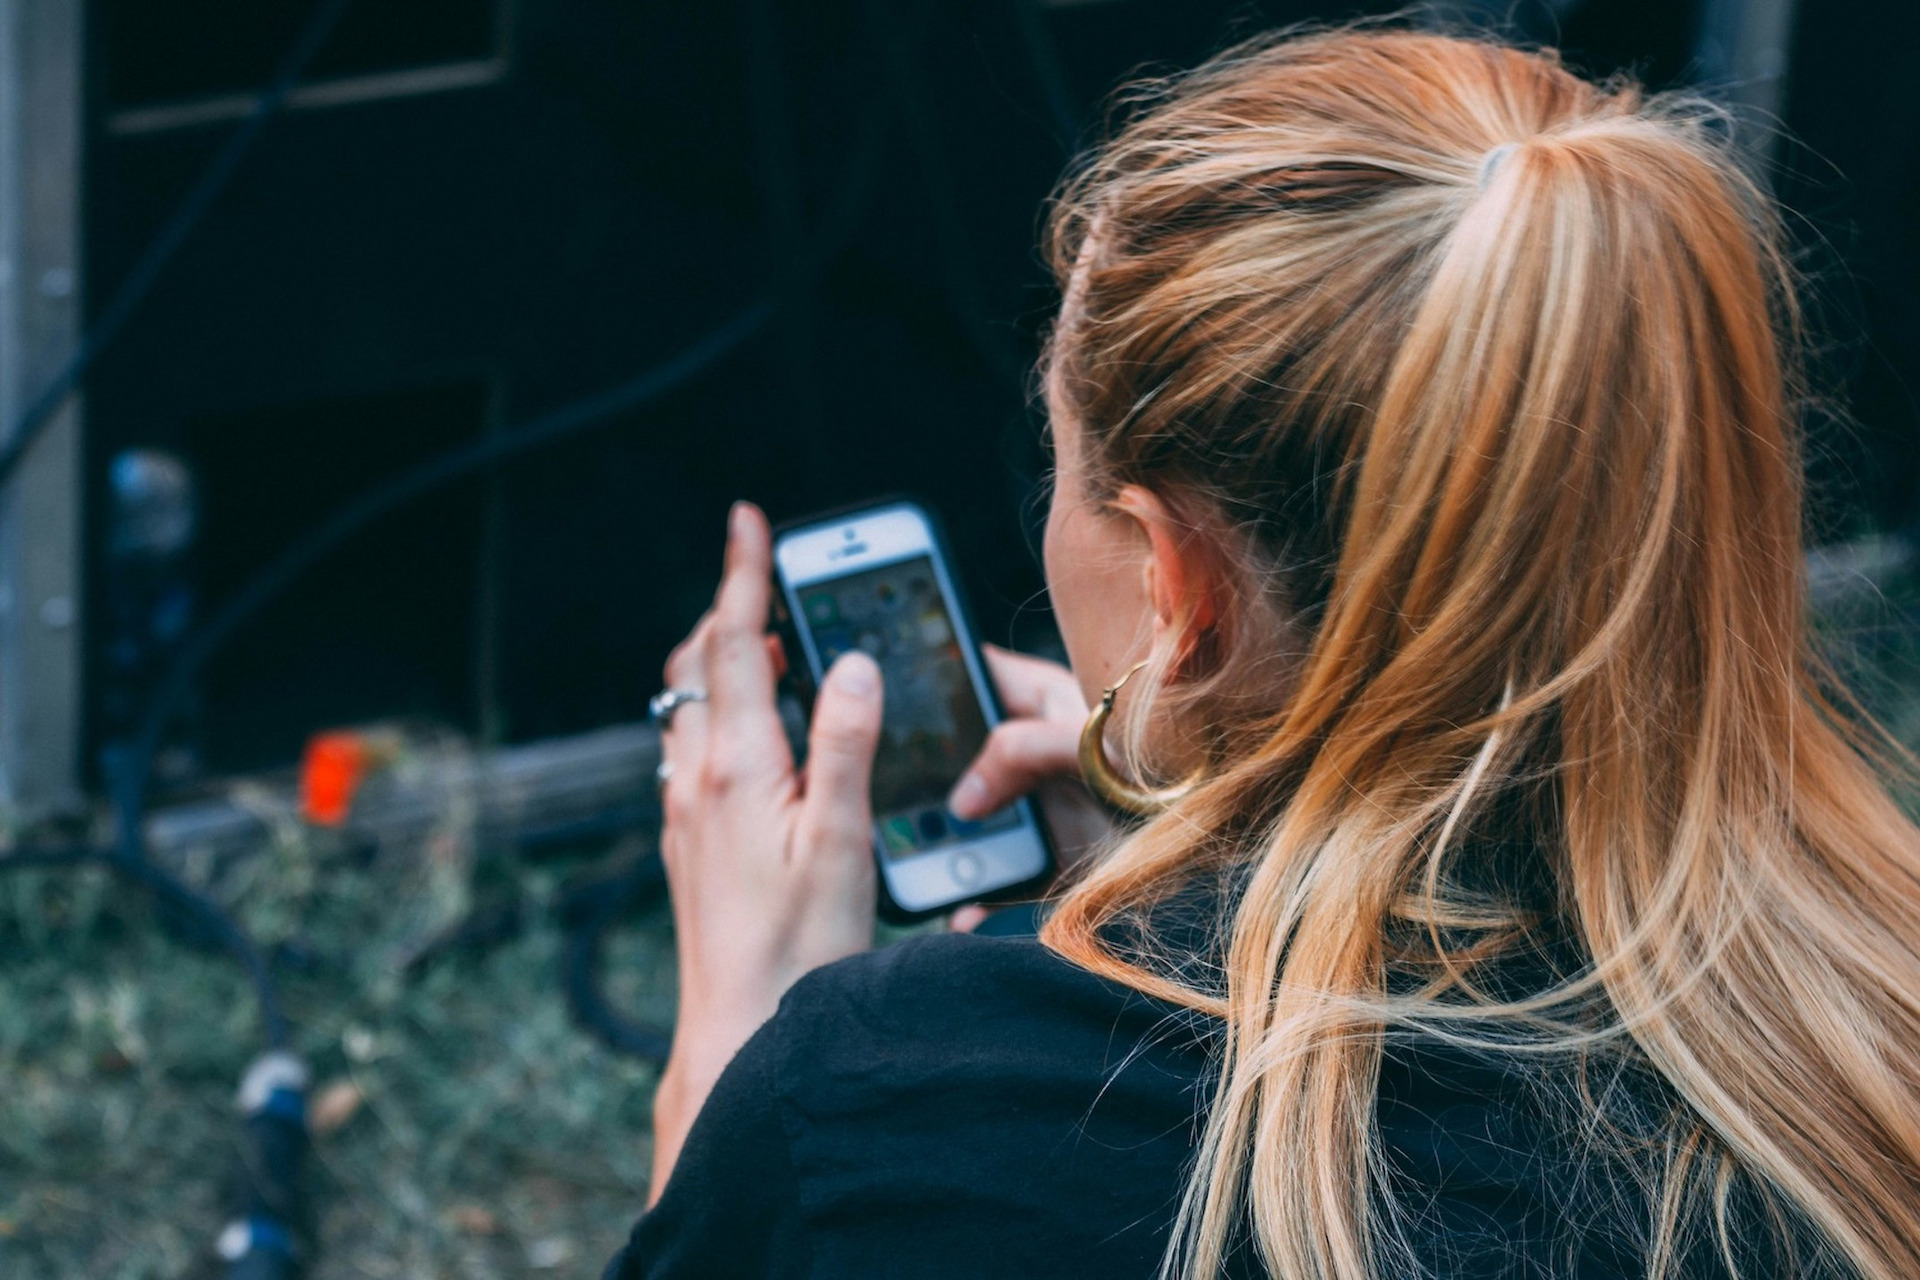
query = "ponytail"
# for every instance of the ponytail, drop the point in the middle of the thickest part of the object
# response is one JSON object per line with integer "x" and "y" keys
{"x": 1482, "y": 374}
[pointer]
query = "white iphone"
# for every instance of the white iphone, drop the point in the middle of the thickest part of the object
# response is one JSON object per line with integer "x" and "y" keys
{"x": 878, "y": 579}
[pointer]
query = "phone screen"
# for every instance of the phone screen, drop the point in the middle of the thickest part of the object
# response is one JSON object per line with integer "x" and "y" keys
{"x": 933, "y": 725}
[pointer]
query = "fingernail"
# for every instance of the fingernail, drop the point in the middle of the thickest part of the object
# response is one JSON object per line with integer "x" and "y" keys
{"x": 737, "y": 519}
{"x": 855, "y": 673}
{"x": 969, "y": 798}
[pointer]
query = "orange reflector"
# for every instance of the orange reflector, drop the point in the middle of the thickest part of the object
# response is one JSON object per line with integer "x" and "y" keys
{"x": 330, "y": 774}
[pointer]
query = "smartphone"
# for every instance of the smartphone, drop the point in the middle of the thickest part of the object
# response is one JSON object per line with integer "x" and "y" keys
{"x": 879, "y": 579}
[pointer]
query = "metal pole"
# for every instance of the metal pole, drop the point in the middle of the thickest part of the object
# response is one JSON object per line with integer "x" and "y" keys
{"x": 41, "y": 46}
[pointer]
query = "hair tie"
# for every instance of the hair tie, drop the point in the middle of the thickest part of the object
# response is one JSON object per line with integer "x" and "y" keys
{"x": 1491, "y": 161}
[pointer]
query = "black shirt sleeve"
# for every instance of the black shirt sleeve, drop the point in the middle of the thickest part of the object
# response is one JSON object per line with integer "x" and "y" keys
{"x": 732, "y": 1205}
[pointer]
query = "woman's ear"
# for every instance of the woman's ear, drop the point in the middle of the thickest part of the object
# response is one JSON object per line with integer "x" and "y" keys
{"x": 1183, "y": 578}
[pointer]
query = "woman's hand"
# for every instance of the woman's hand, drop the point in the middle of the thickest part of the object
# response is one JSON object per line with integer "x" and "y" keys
{"x": 771, "y": 873}
{"x": 1035, "y": 750}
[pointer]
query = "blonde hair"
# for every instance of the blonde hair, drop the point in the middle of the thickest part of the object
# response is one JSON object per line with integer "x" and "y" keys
{"x": 1479, "y": 373}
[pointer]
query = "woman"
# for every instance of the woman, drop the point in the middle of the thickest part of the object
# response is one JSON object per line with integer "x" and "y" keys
{"x": 1525, "y": 907}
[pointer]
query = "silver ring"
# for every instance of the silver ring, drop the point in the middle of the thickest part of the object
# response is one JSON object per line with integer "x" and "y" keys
{"x": 661, "y": 773}
{"x": 664, "y": 703}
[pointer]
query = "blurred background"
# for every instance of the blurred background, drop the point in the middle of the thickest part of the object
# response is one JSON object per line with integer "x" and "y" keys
{"x": 388, "y": 366}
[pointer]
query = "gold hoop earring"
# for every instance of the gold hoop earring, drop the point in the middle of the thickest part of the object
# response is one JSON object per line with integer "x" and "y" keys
{"x": 1104, "y": 780}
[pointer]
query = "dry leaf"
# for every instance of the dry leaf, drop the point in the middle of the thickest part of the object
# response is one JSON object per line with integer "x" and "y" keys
{"x": 474, "y": 1220}
{"x": 333, "y": 1106}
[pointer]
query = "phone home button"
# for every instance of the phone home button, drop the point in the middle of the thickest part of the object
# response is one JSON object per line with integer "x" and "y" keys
{"x": 965, "y": 868}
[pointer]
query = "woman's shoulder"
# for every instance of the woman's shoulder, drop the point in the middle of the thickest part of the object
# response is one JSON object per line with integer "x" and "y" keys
{"x": 979, "y": 1106}
{"x": 944, "y": 977}
{"x": 962, "y": 1007}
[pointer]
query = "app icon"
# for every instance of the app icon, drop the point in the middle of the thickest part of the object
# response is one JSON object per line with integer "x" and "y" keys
{"x": 823, "y": 610}
{"x": 896, "y": 833}
{"x": 934, "y": 629}
{"x": 933, "y": 825}
{"x": 998, "y": 820}
{"x": 1001, "y": 820}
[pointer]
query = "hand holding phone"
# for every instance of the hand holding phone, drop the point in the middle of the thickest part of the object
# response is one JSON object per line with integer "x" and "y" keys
{"x": 771, "y": 875}
{"x": 879, "y": 581}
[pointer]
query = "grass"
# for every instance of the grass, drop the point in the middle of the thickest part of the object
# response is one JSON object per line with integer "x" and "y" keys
{"x": 490, "y": 1137}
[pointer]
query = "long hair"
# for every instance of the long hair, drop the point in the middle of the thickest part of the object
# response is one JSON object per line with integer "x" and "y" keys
{"x": 1482, "y": 376}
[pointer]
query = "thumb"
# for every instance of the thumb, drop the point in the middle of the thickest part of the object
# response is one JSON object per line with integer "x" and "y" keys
{"x": 1018, "y": 756}
{"x": 840, "y": 748}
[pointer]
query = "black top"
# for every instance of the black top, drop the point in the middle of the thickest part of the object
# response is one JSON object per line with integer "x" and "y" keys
{"x": 974, "y": 1106}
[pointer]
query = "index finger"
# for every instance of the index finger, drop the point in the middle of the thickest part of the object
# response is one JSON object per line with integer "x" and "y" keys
{"x": 740, "y": 672}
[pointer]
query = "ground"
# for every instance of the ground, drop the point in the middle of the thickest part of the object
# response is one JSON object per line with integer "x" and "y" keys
{"x": 477, "y": 1132}
{"x": 471, "y": 1129}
